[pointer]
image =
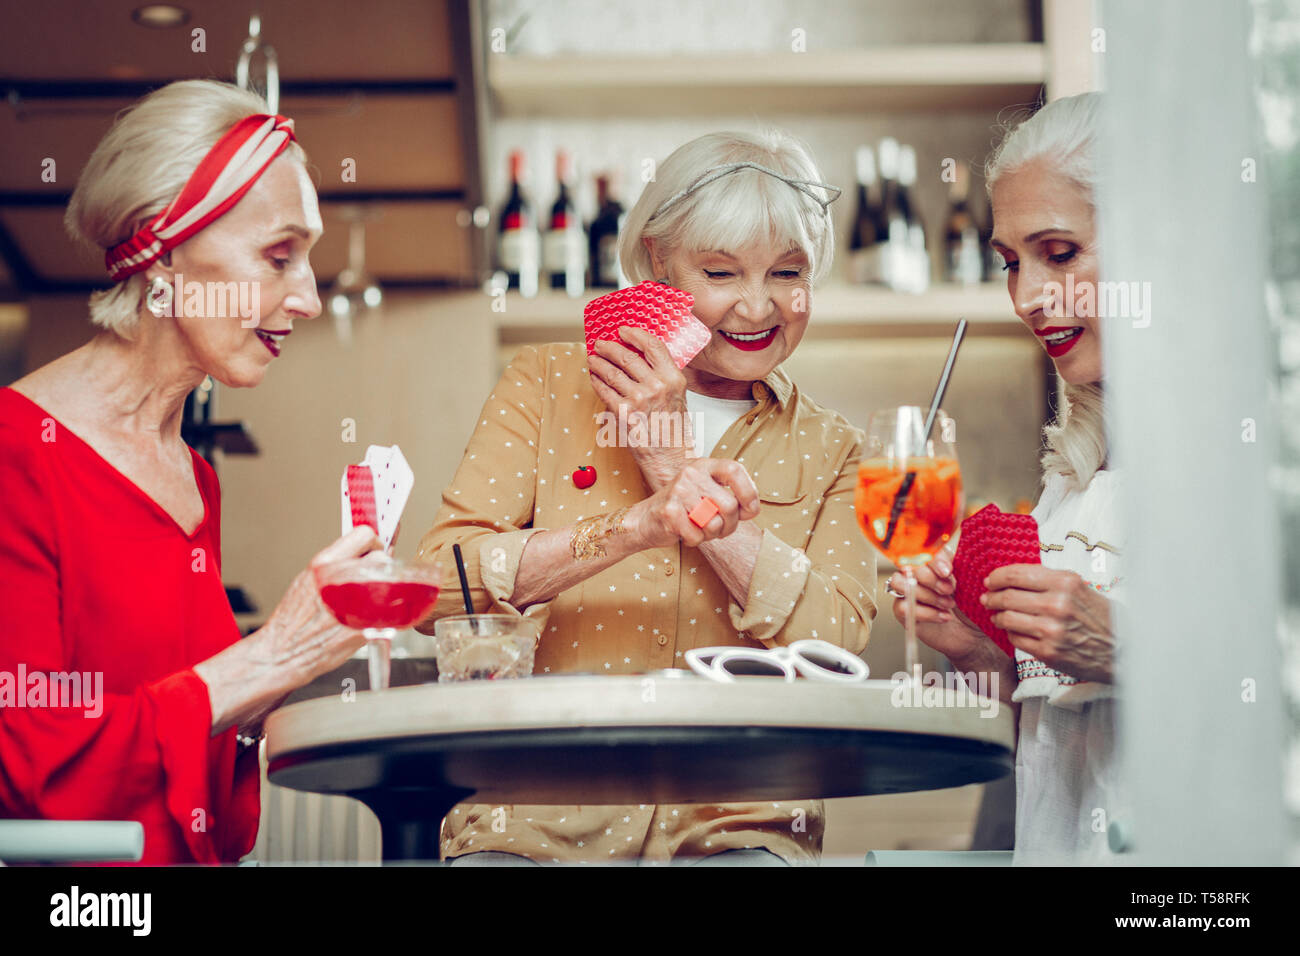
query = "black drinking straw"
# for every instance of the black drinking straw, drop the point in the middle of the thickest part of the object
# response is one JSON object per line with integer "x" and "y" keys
{"x": 464, "y": 581}
{"x": 901, "y": 497}
{"x": 464, "y": 588}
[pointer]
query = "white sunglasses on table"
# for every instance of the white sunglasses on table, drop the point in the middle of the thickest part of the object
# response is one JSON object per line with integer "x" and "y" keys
{"x": 816, "y": 660}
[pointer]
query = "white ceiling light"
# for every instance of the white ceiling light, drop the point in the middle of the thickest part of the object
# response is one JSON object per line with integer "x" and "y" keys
{"x": 160, "y": 15}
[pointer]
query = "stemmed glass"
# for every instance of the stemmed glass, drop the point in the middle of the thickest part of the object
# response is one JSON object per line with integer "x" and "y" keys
{"x": 379, "y": 595}
{"x": 909, "y": 497}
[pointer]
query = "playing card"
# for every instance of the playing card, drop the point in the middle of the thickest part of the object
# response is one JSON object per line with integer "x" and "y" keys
{"x": 375, "y": 491}
{"x": 359, "y": 493}
{"x": 654, "y": 306}
{"x": 990, "y": 540}
{"x": 393, "y": 483}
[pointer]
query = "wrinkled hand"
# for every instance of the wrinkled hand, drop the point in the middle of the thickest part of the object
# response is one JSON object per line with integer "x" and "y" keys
{"x": 938, "y": 622}
{"x": 662, "y": 519}
{"x": 643, "y": 386}
{"x": 301, "y": 633}
{"x": 1055, "y": 616}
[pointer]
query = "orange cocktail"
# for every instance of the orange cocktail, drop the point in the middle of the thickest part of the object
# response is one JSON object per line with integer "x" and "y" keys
{"x": 928, "y": 514}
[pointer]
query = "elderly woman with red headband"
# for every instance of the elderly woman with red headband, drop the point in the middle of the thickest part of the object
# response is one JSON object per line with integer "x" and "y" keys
{"x": 110, "y": 554}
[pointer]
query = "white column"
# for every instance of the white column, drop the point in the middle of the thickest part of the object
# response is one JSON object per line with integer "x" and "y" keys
{"x": 1201, "y": 630}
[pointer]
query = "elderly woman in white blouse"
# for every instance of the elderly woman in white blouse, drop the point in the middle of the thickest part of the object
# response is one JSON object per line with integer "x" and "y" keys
{"x": 1059, "y": 615}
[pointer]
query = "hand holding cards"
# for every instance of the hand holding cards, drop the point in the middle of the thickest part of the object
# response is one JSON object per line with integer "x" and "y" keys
{"x": 375, "y": 491}
{"x": 990, "y": 540}
{"x": 659, "y": 309}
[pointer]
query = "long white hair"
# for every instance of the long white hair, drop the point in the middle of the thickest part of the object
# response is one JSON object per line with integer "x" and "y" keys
{"x": 1065, "y": 133}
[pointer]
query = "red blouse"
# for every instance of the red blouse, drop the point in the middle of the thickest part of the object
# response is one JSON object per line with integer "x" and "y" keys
{"x": 97, "y": 580}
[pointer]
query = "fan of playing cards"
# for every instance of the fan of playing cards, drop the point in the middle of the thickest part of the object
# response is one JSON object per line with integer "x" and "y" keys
{"x": 375, "y": 491}
{"x": 658, "y": 308}
{"x": 991, "y": 540}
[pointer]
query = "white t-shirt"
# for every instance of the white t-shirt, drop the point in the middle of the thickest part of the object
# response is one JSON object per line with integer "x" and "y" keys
{"x": 711, "y": 417}
{"x": 1067, "y": 760}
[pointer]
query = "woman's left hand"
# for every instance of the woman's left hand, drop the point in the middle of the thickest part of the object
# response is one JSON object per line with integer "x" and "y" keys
{"x": 643, "y": 386}
{"x": 1056, "y": 616}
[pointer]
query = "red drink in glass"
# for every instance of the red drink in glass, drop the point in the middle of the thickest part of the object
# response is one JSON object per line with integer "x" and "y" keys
{"x": 380, "y": 604}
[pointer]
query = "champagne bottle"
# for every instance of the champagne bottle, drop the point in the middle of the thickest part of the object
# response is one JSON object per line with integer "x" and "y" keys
{"x": 870, "y": 234}
{"x": 518, "y": 245}
{"x": 606, "y": 273}
{"x": 962, "y": 260}
{"x": 916, "y": 257}
{"x": 564, "y": 248}
{"x": 893, "y": 257}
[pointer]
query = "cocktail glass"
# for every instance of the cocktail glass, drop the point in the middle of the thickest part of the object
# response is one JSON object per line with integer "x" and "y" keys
{"x": 909, "y": 497}
{"x": 379, "y": 595}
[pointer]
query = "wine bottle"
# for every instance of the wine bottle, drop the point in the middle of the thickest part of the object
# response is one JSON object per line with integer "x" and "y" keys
{"x": 518, "y": 245}
{"x": 893, "y": 257}
{"x": 916, "y": 257}
{"x": 870, "y": 234}
{"x": 564, "y": 248}
{"x": 962, "y": 261}
{"x": 606, "y": 273}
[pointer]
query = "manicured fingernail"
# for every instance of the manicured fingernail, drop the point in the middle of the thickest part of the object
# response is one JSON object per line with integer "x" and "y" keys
{"x": 945, "y": 616}
{"x": 986, "y": 582}
{"x": 941, "y": 566}
{"x": 984, "y": 599}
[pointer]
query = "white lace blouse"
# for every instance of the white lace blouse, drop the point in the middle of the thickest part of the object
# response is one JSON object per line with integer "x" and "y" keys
{"x": 1067, "y": 759}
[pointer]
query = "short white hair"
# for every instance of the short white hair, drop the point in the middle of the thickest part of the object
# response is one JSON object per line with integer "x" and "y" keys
{"x": 1064, "y": 134}
{"x": 734, "y": 211}
{"x": 140, "y": 166}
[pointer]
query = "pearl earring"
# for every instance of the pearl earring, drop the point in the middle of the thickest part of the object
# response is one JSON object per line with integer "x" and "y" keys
{"x": 159, "y": 297}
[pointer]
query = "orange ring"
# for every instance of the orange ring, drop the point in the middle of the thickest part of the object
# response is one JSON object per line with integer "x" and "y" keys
{"x": 704, "y": 512}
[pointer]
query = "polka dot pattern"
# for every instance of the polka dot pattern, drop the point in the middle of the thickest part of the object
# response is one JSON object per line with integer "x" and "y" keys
{"x": 814, "y": 575}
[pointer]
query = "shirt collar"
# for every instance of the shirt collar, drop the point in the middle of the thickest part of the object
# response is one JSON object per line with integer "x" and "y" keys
{"x": 777, "y": 384}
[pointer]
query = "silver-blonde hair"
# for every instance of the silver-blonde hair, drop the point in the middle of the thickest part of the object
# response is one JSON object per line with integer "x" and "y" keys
{"x": 1064, "y": 133}
{"x": 140, "y": 166}
{"x": 730, "y": 213}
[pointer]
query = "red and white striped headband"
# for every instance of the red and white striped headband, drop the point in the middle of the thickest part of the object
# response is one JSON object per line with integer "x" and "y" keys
{"x": 227, "y": 172}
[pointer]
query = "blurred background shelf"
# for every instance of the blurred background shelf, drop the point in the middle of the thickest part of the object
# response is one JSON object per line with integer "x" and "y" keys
{"x": 932, "y": 77}
{"x": 838, "y": 310}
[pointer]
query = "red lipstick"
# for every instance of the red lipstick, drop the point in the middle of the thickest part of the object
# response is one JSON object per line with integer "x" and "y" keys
{"x": 757, "y": 344}
{"x": 1059, "y": 339}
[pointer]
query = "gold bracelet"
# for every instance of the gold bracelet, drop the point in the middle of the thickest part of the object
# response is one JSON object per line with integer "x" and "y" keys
{"x": 590, "y": 534}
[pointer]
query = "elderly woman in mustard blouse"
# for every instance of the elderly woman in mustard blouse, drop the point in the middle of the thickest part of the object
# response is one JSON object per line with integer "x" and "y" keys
{"x": 742, "y": 223}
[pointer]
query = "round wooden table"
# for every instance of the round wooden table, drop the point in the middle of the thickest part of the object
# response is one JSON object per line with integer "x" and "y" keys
{"x": 412, "y": 753}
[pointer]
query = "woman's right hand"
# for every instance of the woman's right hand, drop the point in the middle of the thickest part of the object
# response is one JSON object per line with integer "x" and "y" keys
{"x": 938, "y": 622}
{"x": 301, "y": 633}
{"x": 299, "y": 642}
{"x": 663, "y": 518}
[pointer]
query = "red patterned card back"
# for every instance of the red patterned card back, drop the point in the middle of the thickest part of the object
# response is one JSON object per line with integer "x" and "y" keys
{"x": 991, "y": 540}
{"x": 658, "y": 308}
{"x": 361, "y": 496}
